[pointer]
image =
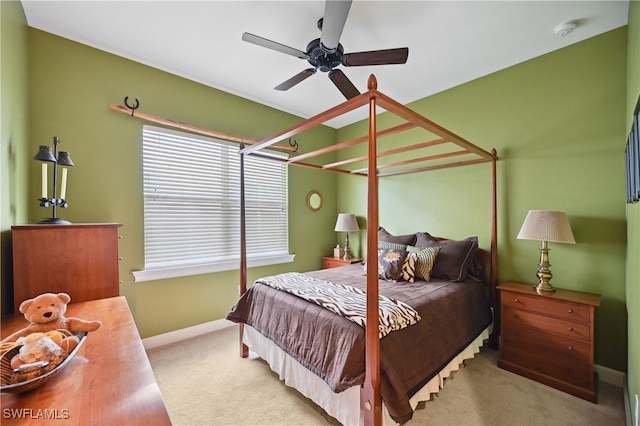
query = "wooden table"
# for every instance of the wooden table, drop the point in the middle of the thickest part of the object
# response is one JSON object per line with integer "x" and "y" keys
{"x": 108, "y": 382}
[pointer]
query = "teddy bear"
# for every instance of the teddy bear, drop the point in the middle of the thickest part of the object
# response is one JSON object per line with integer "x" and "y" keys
{"x": 46, "y": 313}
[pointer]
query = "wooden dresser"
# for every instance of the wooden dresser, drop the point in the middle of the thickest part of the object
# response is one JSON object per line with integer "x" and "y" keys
{"x": 108, "y": 382}
{"x": 549, "y": 337}
{"x": 79, "y": 259}
{"x": 334, "y": 262}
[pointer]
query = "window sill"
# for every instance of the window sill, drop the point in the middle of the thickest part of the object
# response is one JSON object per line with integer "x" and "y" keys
{"x": 160, "y": 274}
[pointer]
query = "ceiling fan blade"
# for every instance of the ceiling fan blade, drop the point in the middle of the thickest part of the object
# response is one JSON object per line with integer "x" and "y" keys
{"x": 296, "y": 79}
{"x": 343, "y": 84}
{"x": 260, "y": 41}
{"x": 335, "y": 16}
{"x": 376, "y": 57}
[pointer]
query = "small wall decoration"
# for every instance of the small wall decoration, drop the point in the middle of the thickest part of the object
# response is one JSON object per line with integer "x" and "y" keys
{"x": 314, "y": 201}
{"x": 632, "y": 157}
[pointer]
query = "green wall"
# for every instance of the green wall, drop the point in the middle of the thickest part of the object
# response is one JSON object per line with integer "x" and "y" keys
{"x": 557, "y": 122}
{"x": 71, "y": 87}
{"x": 633, "y": 214}
{"x": 13, "y": 134}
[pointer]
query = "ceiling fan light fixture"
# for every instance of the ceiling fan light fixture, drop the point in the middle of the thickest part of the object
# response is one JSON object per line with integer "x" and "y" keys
{"x": 565, "y": 29}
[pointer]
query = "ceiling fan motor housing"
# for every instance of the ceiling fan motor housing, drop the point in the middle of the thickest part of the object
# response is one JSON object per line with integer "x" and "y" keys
{"x": 321, "y": 59}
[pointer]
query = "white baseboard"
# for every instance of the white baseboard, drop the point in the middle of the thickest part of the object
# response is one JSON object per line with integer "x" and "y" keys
{"x": 185, "y": 333}
{"x": 609, "y": 375}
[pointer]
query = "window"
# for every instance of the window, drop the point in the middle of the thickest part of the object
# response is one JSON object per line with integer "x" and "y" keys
{"x": 192, "y": 205}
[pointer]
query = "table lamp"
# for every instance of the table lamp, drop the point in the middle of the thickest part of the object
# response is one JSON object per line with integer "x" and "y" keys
{"x": 63, "y": 158}
{"x": 346, "y": 223}
{"x": 545, "y": 226}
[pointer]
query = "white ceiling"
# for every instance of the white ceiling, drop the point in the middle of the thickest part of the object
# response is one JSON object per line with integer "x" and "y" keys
{"x": 450, "y": 42}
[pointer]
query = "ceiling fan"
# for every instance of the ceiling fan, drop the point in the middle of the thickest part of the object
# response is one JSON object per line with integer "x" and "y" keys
{"x": 326, "y": 53}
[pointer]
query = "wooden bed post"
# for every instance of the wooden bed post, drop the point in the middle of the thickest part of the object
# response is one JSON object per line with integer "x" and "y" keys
{"x": 244, "y": 350}
{"x": 370, "y": 399}
{"x": 493, "y": 278}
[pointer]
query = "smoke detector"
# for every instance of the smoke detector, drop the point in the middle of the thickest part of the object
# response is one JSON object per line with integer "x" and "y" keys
{"x": 565, "y": 29}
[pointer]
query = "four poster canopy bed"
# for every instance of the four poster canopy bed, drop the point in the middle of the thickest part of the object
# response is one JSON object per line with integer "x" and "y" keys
{"x": 368, "y": 350}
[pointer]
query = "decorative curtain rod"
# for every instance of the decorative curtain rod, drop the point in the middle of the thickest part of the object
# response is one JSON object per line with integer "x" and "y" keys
{"x": 194, "y": 129}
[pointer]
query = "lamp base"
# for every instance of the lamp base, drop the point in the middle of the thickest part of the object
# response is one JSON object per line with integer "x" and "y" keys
{"x": 544, "y": 288}
{"x": 346, "y": 255}
{"x": 544, "y": 273}
{"x": 54, "y": 221}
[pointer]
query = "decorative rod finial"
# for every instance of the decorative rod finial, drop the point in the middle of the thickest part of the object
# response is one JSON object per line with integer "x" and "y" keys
{"x": 372, "y": 84}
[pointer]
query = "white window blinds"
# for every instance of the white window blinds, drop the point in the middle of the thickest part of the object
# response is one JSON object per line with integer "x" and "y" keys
{"x": 192, "y": 201}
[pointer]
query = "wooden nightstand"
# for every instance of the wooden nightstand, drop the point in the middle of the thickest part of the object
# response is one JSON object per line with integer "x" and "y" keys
{"x": 549, "y": 338}
{"x": 332, "y": 262}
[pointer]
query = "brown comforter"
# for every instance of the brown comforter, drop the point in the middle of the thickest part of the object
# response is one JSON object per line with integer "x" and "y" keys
{"x": 453, "y": 315}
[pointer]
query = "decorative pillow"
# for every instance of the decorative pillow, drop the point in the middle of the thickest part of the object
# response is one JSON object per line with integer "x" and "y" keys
{"x": 390, "y": 263}
{"x": 425, "y": 259}
{"x": 409, "y": 267}
{"x": 408, "y": 240}
{"x": 455, "y": 257}
{"x": 392, "y": 246}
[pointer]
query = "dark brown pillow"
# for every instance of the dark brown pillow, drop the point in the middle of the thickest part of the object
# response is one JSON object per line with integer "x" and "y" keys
{"x": 407, "y": 240}
{"x": 455, "y": 258}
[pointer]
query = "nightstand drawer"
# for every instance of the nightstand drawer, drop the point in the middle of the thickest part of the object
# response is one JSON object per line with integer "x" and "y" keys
{"x": 560, "y": 309}
{"x": 552, "y": 325}
{"x": 567, "y": 370}
{"x": 515, "y": 335}
{"x": 334, "y": 262}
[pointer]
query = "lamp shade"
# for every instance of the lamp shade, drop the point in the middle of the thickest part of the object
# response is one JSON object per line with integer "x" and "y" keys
{"x": 64, "y": 159}
{"x": 346, "y": 222}
{"x": 45, "y": 154}
{"x": 546, "y": 225}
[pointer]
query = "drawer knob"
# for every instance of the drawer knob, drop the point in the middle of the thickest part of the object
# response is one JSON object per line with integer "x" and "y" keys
{"x": 570, "y": 328}
{"x": 570, "y": 311}
{"x": 516, "y": 300}
{"x": 570, "y": 347}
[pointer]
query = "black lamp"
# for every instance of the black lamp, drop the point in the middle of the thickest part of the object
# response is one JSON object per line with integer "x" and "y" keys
{"x": 64, "y": 159}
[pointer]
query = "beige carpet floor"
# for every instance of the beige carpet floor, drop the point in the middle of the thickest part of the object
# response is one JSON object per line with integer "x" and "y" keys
{"x": 205, "y": 382}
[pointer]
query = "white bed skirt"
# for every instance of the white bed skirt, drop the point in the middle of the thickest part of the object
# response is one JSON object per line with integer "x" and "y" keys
{"x": 344, "y": 406}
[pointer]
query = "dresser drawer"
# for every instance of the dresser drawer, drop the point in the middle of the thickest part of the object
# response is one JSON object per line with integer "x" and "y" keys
{"x": 552, "y": 325}
{"x": 560, "y": 368}
{"x": 515, "y": 335}
{"x": 557, "y": 308}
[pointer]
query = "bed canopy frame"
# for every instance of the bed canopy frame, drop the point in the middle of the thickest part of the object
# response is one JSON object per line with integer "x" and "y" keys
{"x": 370, "y": 399}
